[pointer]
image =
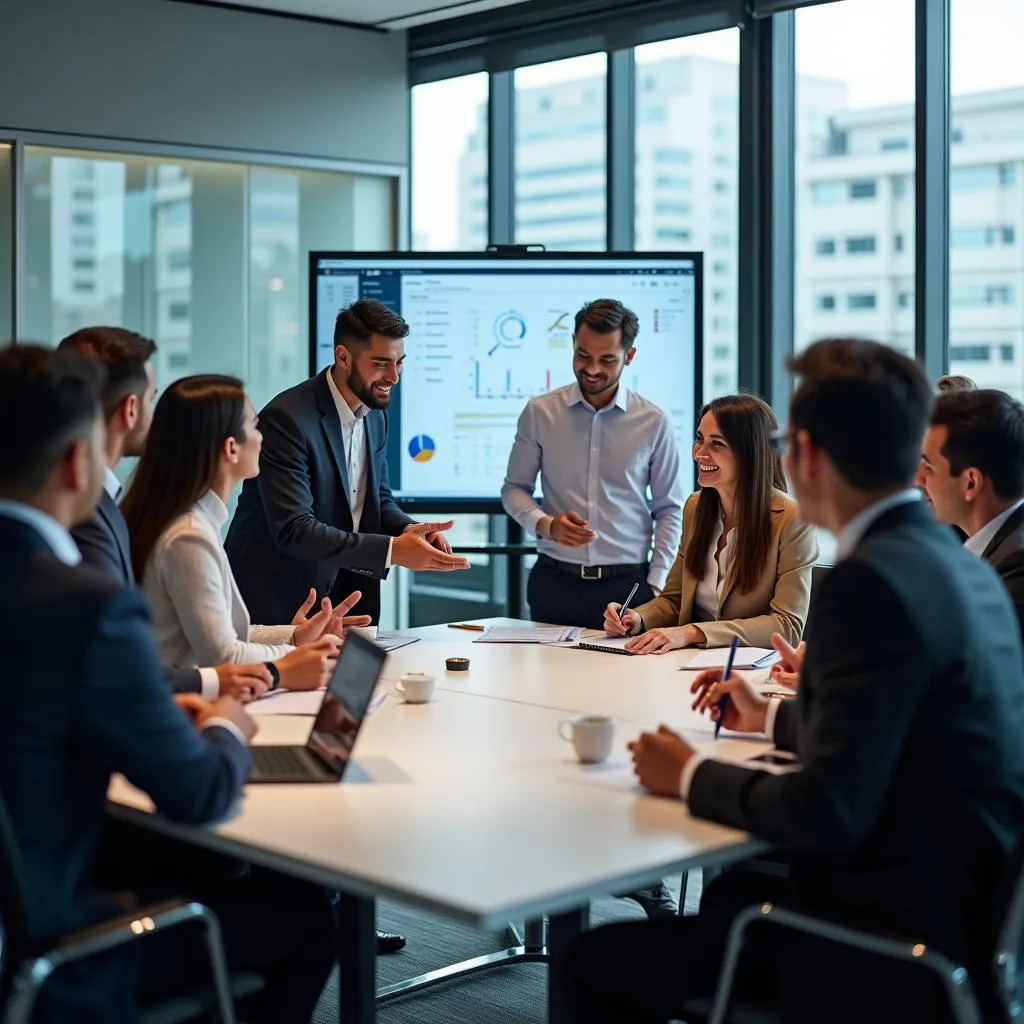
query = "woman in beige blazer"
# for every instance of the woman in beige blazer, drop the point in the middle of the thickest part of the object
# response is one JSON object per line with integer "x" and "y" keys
{"x": 745, "y": 558}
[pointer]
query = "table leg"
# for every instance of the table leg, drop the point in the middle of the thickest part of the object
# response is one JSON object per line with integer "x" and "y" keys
{"x": 357, "y": 959}
{"x": 562, "y": 929}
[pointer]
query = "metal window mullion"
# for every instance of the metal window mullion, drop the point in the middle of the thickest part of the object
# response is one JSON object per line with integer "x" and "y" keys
{"x": 17, "y": 199}
{"x": 620, "y": 140}
{"x": 931, "y": 230}
{"x": 501, "y": 130}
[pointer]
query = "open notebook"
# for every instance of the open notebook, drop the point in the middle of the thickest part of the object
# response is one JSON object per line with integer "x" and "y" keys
{"x": 746, "y": 658}
{"x": 608, "y": 644}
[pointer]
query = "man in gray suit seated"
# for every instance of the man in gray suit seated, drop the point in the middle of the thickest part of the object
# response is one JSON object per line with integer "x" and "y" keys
{"x": 972, "y": 472}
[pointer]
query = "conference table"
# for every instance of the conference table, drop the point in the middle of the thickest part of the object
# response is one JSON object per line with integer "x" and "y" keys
{"x": 472, "y": 806}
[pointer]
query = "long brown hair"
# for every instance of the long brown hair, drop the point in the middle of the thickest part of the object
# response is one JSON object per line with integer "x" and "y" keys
{"x": 746, "y": 422}
{"x": 191, "y": 422}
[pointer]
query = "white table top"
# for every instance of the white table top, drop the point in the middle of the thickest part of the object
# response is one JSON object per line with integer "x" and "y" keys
{"x": 482, "y": 820}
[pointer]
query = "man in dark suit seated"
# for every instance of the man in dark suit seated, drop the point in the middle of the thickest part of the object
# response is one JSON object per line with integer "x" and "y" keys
{"x": 127, "y": 397}
{"x": 321, "y": 514}
{"x": 83, "y": 697}
{"x": 972, "y": 472}
{"x": 909, "y": 798}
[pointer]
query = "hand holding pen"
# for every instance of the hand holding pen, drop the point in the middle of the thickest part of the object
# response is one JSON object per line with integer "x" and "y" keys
{"x": 732, "y": 702}
{"x": 617, "y": 618}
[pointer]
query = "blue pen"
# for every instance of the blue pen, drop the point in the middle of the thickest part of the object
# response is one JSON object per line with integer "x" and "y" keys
{"x": 724, "y": 702}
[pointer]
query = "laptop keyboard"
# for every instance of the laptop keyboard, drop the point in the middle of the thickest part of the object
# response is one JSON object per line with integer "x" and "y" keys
{"x": 279, "y": 762}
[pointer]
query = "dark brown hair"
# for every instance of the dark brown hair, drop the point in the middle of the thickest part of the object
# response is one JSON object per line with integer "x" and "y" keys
{"x": 747, "y": 423}
{"x": 867, "y": 406}
{"x": 603, "y": 316}
{"x": 356, "y": 324}
{"x": 191, "y": 422}
{"x": 986, "y": 430}
{"x": 48, "y": 401}
{"x": 123, "y": 353}
{"x": 953, "y": 382}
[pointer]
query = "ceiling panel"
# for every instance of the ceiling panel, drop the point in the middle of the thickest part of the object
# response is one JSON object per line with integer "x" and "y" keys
{"x": 389, "y": 14}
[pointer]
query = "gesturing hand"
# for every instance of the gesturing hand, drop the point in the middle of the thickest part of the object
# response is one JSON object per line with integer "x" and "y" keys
{"x": 414, "y": 551}
{"x": 328, "y": 620}
{"x": 745, "y": 711}
{"x": 571, "y": 530}
{"x": 433, "y": 534}
{"x": 786, "y": 672}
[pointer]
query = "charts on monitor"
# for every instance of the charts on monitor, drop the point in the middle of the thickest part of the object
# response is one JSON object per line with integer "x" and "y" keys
{"x": 487, "y": 335}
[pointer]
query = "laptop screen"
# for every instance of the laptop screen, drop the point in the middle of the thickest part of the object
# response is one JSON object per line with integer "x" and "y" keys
{"x": 345, "y": 703}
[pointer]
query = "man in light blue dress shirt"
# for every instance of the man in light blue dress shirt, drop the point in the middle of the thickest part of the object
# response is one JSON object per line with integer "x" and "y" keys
{"x": 599, "y": 448}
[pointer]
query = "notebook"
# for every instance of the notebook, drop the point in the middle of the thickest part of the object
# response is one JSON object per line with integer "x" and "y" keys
{"x": 608, "y": 644}
{"x": 529, "y": 635}
{"x": 746, "y": 658}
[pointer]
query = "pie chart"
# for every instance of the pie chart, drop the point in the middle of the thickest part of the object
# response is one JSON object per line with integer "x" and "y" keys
{"x": 421, "y": 448}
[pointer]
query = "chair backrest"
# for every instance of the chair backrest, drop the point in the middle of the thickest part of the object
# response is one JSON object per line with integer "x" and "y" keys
{"x": 1008, "y": 955}
{"x": 818, "y": 574}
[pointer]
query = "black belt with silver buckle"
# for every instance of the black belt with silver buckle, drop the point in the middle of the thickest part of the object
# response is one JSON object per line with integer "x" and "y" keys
{"x": 592, "y": 572}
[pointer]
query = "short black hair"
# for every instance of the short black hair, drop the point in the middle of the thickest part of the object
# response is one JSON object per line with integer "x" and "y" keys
{"x": 48, "y": 400}
{"x": 603, "y": 316}
{"x": 986, "y": 430}
{"x": 867, "y": 405}
{"x": 356, "y": 324}
{"x": 124, "y": 354}
{"x": 955, "y": 382}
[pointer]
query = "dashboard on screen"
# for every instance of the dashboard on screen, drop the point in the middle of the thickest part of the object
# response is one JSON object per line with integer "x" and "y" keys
{"x": 488, "y": 333}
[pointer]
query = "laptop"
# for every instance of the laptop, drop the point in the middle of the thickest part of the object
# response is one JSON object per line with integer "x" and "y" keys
{"x": 328, "y": 749}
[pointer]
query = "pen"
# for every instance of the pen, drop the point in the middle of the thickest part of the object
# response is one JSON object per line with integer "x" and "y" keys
{"x": 626, "y": 603}
{"x": 467, "y": 625}
{"x": 724, "y": 702}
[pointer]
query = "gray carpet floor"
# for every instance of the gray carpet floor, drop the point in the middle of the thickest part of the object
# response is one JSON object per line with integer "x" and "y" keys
{"x": 516, "y": 994}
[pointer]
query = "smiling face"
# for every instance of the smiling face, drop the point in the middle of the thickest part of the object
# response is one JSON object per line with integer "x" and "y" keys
{"x": 716, "y": 462}
{"x": 372, "y": 371}
{"x": 598, "y": 360}
{"x": 942, "y": 490}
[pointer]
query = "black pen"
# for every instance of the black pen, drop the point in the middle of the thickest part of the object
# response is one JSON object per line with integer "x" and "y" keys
{"x": 632, "y": 594}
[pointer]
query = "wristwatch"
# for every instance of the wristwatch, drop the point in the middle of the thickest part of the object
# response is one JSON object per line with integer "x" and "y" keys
{"x": 275, "y": 674}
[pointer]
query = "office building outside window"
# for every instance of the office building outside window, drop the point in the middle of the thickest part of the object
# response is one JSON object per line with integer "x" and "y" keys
{"x": 560, "y": 154}
{"x": 687, "y": 169}
{"x": 6, "y": 246}
{"x": 986, "y": 202}
{"x": 449, "y": 164}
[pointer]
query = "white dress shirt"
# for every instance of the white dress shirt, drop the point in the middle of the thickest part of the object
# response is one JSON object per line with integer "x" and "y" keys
{"x": 63, "y": 546}
{"x": 599, "y": 463}
{"x": 353, "y": 436}
{"x": 199, "y": 617}
{"x": 846, "y": 542}
{"x": 977, "y": 543}
{"x": 708, "y": 596}
{"x": 111, "y": 484}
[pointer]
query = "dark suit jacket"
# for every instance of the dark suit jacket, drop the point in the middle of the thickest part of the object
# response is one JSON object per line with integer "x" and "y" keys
{"x": 74, "y": 712}
{"x": 1005, "y": 553}
{"x": 908, "y": 727}
{"x": 293, "y": 526}
{"x": 107, "y": 548}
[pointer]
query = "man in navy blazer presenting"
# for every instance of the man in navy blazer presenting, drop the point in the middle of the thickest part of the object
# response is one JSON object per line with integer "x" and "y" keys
{"x": 321, "y": 513}
{"x": 84, "y": 697}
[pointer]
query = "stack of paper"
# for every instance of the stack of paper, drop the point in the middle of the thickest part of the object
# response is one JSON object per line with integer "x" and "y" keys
{"x": 746, "y": 658}
{"x": 529, "y": 635}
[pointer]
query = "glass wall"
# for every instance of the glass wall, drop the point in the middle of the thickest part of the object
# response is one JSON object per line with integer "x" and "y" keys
{"x": 986, "y": 194}
{"x": 560, "y": 154}
{"x": 449, "y": 164}
{"x": 855, "y": 171}
{"x": 207, "y": 258}
{"x": 6, "y": 246}
{"x": 687, "y": 172}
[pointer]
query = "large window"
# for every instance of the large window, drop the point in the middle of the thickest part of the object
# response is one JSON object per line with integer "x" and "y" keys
{"x": 207, "y": 258}
{"x": 854, "y": 171}
{"x": 687, "y": 170}
{"x": 986, "y": 201}
{"x": 6, "y": 247}
{"x": 560, "y": 154}
{"x": 449, "y": 164}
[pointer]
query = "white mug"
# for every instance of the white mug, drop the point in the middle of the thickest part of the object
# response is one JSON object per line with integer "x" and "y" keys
{"x": 592, "y": 736}
{"x": 366, "y": 632}
{"x": 415, "y": 687}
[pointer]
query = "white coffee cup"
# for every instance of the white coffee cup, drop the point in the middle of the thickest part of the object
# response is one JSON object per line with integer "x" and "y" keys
{"x": 592, "y": 736}
{"x": 367, "y": 632}
{"x": 415, "y": 687}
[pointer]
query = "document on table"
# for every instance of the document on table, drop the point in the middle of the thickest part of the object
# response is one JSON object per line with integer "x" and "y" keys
{"x": 615, "y": 776}
{"x": 746, "y": 658}
{"x": 529, "y": 635}
{"x": 392, "y": 641}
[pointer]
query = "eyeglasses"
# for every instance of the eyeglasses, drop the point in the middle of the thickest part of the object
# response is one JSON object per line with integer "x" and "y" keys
{"x": 779, "y": 440}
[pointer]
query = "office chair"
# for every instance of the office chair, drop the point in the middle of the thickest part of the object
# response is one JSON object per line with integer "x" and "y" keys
{"x": 27, "y": 961}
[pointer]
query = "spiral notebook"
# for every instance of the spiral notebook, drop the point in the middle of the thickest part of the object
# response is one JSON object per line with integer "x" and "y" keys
{"x": 608, "y": 644}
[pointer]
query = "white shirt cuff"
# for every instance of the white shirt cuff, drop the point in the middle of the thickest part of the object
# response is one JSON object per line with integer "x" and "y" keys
{"x": 533, "y": 520}
{"x": 387, "y": 561}
{"x": 209, "y": 684}
{"x": 774, "y": 703}
{"x": 225, "y": 723}
{"x": 686, "y": 779}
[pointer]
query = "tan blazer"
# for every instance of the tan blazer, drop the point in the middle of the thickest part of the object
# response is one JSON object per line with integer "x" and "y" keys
{"x": 778, "y": 604}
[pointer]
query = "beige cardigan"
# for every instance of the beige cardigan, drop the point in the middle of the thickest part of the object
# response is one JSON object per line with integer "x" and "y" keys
{"x": 778, "y": 604}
